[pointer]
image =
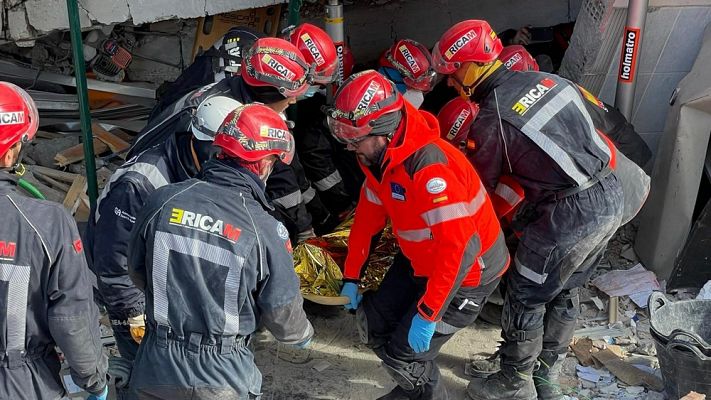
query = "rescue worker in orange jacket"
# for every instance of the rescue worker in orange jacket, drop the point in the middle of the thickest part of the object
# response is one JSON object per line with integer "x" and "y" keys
{"x": 453, "y": 250}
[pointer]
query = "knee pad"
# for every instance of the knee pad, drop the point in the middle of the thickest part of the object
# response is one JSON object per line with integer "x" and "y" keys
{"x": 410, "y": 376}
{"x": 521, "y": 323}
{"x": 566, "y": 306}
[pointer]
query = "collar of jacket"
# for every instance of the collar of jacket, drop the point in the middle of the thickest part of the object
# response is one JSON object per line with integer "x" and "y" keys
{"x": 240, "y": 90}
{"x": 418, "y": 129}
{"x": 177, "y": 169}
{"x": 224, "y": 172}
{"x": 8, "y": 181}
{"x": 490, "y": 83}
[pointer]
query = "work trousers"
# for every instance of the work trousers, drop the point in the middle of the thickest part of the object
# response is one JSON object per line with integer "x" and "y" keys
{"x": 384, "y": 321}
{"x": 559, "y": 250}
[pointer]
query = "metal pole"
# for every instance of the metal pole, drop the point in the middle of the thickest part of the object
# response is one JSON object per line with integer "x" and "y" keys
{"x": 629, "y": 57}
{"x": 84, "y": 115}
{"x": 334, "y": 27}
{"x": 294, "y": 8}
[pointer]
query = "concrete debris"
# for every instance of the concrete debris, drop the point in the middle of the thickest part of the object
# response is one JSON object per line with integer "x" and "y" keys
{"x": 321, "y": 365}
{"x": 705, "y": 292}
{"x": 637, "y": 282}
{"x": 694, "y": 396}
{"x": 598, "y": 303}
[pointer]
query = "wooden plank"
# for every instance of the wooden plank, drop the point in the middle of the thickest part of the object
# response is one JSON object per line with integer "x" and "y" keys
{"x": 63, "y": 176}
{"x": 115, "y": 143}
{"x": 82, "y": 213}
{"x": 626, "y": 372}
{"x": 76, "y": 153}
{"x": 56, "y": 184}
{"x": 49, "y": 135}
{"x": 71, "y": 201}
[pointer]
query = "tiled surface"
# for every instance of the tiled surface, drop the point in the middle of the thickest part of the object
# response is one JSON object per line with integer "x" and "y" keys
{"x": 652, "y": 106}
{"x": 669, "y": 49}
{"x": 658, "y": 26}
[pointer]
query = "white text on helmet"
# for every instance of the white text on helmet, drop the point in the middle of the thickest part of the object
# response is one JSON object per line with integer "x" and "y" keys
{"x": 411, "y": 62}
{"x": 273, "y": 133}
{"x": 513, "y": 60}
{"x": 313, "y": 49}
{"x": 367, "y": 98}
{"x": 458, "y": 124}
{"x": 204, "y": 223}
{"x": 278, "y": 67}
{"x": 533, "y": 95}
{"x": 12, "y": 118}
{"x": 459, "y": 43}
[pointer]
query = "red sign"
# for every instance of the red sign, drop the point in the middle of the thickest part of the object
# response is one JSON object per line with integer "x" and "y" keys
{"x": 628, "y": 58}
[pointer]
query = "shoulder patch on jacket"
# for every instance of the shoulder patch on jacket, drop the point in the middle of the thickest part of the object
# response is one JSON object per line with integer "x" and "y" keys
{"x": 282, "y": 231}
{"x": 424, "y": 157}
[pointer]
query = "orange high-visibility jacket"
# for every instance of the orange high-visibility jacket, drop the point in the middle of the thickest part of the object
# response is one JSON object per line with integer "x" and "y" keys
{"x": 440, "y": 213}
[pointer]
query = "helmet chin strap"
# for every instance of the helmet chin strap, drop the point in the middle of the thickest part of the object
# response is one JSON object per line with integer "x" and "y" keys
{"x": 475, "y": 74}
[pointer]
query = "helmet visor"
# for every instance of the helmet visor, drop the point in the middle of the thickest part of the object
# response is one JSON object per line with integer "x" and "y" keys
{"x": 326, "y": 74}
{"x": 424, "y": 82}
{"x": 288, "y": 154}
{"x": 440, "y": 64}
{"x": 346, "y": 133}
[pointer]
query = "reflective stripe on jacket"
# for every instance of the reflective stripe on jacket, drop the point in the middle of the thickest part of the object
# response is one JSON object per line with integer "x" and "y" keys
{"x": 440, "y": 213}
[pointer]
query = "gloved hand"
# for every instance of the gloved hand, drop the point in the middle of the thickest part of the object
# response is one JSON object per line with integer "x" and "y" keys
{"x": 303, "y": 236}
{"x": 137, "y": 327}
{"x": 350, "y": 289}
{"x": 303, "y": 345}
{"x": 120, "y": 371}
{"x": 103, "y": 396}
{"x": 420, "y": 334}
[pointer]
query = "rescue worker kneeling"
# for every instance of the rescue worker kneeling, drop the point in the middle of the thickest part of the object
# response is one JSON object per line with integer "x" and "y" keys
{"x": 453, "y": 250}
{"x": 214, "y": 265}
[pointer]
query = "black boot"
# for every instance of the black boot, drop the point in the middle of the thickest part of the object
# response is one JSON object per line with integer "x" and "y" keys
{"x": 396, "y": 394}
{"x": 507, "y": 384}
{"x": 546, "y": 376}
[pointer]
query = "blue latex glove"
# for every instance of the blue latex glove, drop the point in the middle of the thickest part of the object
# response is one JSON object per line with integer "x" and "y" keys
{"x": 420, "y": 334}
{"x": 350, "y": 289}
{"x": 303, "y": 345}
{"x": 103, "y": 396}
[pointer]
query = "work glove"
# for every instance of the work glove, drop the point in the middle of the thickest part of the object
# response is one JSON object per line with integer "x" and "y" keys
{"x": 303, "y": 236}
{"x": 522, "y": 37}
{"x": 303, "y": 345}
{"x": 350, "y": 290}
{"x": 120, "y": 371}
{"x": 137, "y": 327}
{"x": 420, "y": 334}
{"x": 103, "y": 396}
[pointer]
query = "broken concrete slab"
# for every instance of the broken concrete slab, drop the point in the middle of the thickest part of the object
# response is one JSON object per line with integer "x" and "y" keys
{"x": 17, "y": 24}
{"x": 143, "y": 11}
{"x": 107, "y": 12}
{"x": 48, "y": 15}
{"x": 213, "y": 7}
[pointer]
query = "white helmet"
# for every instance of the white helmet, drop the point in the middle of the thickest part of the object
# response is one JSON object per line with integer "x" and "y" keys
{"x": 209, "y": 116}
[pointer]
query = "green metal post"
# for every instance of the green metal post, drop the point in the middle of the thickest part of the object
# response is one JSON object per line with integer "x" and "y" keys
{"x": 293, "y": 19}
{"x": 84, "y": 115}
{"x": 294, "y": 8}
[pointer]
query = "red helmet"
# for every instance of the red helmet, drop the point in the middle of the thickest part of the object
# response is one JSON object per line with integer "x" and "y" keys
{"x": 468, "y": 41}
{"x": 455, "y": 118}
{"x": 277, "y": 63}
{"x": 19, "y": 118}
{"x": 517, "y": 58}
{"x": 253, "y": 132}
{"x": 413, "y": 61}
{"x": 318, "y": 50}
{"x": 362, "y": 99}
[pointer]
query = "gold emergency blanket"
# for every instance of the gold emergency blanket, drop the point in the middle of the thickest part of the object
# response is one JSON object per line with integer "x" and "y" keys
{"x": 319, "y": 261}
